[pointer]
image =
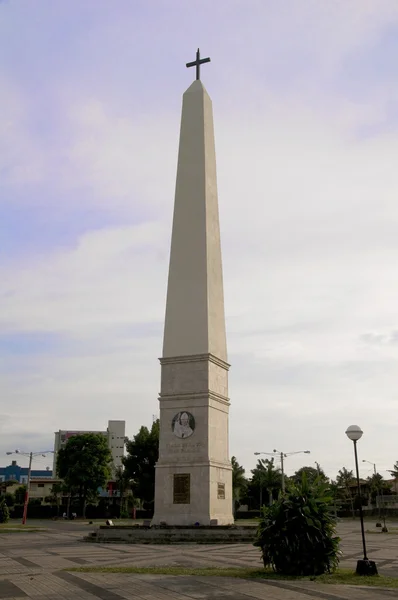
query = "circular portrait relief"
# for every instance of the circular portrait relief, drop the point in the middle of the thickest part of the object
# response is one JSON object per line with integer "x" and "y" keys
{"x": 183, "y": 424}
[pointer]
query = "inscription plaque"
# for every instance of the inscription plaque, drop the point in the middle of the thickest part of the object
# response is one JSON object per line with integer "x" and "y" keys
{"x": 221, "y": 491}
{"x": 182, "y": 488}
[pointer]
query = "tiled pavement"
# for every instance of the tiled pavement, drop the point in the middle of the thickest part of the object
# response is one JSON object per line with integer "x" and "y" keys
{"x": 32, "y": 566}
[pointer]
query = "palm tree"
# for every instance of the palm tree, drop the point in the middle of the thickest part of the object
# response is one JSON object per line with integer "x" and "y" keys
{"x": 239, "y": 481}
{"x": 122, "y": 485}
{"x": 265, "y": 475}
{"x": 344, "y": 480}
{"x": 394, "y": 472}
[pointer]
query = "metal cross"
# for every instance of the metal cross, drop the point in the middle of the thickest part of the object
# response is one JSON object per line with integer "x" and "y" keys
{"x": 196, "y": 63}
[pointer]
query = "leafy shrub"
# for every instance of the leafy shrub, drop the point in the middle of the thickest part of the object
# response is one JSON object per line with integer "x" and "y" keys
{"x": 9, "y": 499}
{"x": 297, "y": 533}
{"x": 4, "y": 512}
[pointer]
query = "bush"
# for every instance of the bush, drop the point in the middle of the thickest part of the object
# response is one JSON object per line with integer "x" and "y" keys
{"x": 297, "y": 533}
{"x": 4, "y": 512}
{"x": 9, "y": 499}
{"x": 35, "y": 511}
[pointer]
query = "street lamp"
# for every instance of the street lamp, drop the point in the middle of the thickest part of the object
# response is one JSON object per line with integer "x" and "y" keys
{"x": 283, "y": 455}
{"x": 371, "y": 463}
{"x": 31, "y": 455}
{"x": 364, "y": 566}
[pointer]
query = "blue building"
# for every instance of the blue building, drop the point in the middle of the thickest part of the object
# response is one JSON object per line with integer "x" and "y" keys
{"x": 16, "y": 473}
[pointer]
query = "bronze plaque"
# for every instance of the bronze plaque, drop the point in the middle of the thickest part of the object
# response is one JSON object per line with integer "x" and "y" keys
{"x": 182, "y": 488}
{"x": 221, "y": 491}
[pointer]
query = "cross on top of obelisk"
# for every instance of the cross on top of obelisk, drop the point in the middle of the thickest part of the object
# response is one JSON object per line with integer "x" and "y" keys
{"x": 196, "y": 63}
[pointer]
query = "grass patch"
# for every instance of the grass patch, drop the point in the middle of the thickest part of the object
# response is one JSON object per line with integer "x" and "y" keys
{"x": 341, "y": 576}
{"x": 390, "y": 530}
{"x": 18, "y": 528}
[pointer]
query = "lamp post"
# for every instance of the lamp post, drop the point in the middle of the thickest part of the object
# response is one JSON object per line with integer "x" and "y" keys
{"x": 282, "y": 456}
{"x": 31, "y": 456}
{"x": 371, "y": 463}
{"x": 364, "y": 566}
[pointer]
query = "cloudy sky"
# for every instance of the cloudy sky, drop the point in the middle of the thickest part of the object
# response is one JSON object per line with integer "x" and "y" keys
{"x": 305, "y": 97}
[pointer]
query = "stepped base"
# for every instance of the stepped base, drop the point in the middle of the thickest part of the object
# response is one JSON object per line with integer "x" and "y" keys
{"x": 138, "y": 534}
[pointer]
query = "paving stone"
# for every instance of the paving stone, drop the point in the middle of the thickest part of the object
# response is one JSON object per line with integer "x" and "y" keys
{"x": 10, "y": 590}
{"x": 30, "y": 566}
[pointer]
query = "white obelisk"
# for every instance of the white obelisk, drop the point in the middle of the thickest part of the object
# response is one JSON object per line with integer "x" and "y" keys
{"x": 193, "y": 473}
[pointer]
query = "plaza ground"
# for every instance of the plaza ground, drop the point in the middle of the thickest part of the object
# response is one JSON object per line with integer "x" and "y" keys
{"x": 38, "y": 565}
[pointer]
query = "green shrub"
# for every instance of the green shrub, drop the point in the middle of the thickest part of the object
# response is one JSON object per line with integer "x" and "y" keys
{"x": 297, "y": 533}
{"x": 4, "y": 512}
{"x": 9, "y": 499}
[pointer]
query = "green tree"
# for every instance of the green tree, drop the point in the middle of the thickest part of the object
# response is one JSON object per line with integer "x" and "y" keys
{"x": 394, "y": 472}
{"x": 57, "y": 492}
{"x": 297, "y": 533}
{"x": 9, "y": 499}
{"x": 265, "y": 476}
{"x": 345, "y": 480}
{"x": 239, "y": 481}
{"x": 84, "y": 464}
{"x": 139, "y": 463}
{"x": 378, "y": 486}
{"x": 311, "y": 473}
{"x": 4, "y": 511}
{"x": 19, "y": 494}
{"x": 5, "y": 484}
{"x": 122, "y": 485}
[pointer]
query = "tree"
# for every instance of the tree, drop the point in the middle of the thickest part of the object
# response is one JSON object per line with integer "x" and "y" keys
{"x": 297, "y": 533}
{"x": 9, "y": 499}
{"x": 394, "y": 472}
{"x": 139, "y": 463}
{"x": 122, "y": 485}
{"x": 345, "y": 480}
{"x": 19, "y": 494}
{"x": 57, "y": 491}
{"x": 4, "y": 512}
{"x": 5, "y": 484}
{"x": 266, "y": 476}
{"x": 311, "y": 473}
{"x": 84, "y": 464}
{"x": 239, "y": 481}
{"x": 378, "y": 486}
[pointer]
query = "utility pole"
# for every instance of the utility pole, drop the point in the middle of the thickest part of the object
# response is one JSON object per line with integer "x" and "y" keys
{"x": 26, "y": 501}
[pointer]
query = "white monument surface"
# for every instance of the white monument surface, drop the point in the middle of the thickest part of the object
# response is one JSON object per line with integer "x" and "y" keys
{"x": 193, "y": 474}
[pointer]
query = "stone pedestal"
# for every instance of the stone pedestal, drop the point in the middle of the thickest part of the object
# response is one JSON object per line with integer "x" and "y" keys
{"x": 202, "y": 455}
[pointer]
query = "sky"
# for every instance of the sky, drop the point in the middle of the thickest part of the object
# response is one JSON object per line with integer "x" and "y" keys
{"x": 305, "y": 99}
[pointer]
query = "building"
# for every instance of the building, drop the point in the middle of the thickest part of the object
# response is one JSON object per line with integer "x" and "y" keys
{"x": 40, "y": 488}
{"x": 115, "y": 434}
{"x": 20, "y": 474}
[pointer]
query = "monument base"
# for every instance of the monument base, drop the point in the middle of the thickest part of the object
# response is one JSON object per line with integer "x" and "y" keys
{"x": 165, "y": 534}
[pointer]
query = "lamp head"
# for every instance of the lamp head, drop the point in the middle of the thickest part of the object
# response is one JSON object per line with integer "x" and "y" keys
{"x": 257, "y": 453}
{"x": 354, "y": 433}
{"x": 307, "y": 451}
